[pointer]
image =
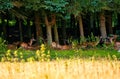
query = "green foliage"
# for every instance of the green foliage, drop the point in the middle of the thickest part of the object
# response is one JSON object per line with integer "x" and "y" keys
{"x": 31, "y": 23}
{"x": 82, "y": 40}
{"x": 21, "y": 55}
{"x": 56, "y": 5}
{"x": 0, "y": 21}
{"x": 34, "y": 4}
{"x": 2, "y": 44}
{"x": 12, "y": 22}
{"x": 5, "y": 4}
{"x": 43, "y": 54}
{"x": 92, "y": 38}
{"x": 25, "y": 22}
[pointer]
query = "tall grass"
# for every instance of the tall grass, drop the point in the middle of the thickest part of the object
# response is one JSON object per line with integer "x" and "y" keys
{"x": 61, "y": 69}
{"x": 60, "y": 64}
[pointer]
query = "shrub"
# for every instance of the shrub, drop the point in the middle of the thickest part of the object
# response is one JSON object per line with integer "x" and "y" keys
{"x": 2, "y": 44}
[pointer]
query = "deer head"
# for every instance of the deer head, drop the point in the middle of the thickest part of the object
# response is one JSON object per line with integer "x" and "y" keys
{"x": 31, "y": 41}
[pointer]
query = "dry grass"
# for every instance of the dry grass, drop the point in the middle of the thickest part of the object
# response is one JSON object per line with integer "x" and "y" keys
{"x": 61, "y": 69}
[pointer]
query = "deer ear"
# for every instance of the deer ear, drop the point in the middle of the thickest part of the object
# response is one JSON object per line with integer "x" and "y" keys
{"x": 33, "y": 39}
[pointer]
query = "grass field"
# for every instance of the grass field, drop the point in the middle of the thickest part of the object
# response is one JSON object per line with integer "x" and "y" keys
{"x": 94, "y": 63}
{"x": 61, "y": 69}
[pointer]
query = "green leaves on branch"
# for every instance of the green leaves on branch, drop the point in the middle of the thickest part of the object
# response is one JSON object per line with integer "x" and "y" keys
{"x": 34, "y": 4}
{"x": 5, "y": 4}
{"x": 51, "y": 5}
{"x": 56, "y": 5}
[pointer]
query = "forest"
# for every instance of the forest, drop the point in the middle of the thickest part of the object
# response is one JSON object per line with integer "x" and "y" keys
{"x": 58, "y": 20}
{"x": 59, "y": 39}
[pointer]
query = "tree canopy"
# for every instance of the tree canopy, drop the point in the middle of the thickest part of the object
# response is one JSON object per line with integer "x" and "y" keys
{"x": 79, "y": 11}
{"x": 5, "y": 5}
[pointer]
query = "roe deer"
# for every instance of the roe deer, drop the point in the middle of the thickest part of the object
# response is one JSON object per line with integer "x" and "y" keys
{"x": 24, "y": 44}
{"x": 58, "y": 46}
{"x": 115, "y": 42}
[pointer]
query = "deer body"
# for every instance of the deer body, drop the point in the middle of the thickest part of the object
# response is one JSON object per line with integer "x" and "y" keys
{"x": 116, "y": 43}
{"x": 24, "y": 44}
{"x": 58, "y": 46}
{"x": 65, "y": 47}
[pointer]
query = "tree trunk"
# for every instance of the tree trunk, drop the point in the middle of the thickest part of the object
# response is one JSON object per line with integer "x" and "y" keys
{"x": 102, "y": 25}
{"x": 4, "y": 25}
{"x": 64, "y": 33}
{"x": 81, "y": 26}
{"x": 92, "y": 22}
{"x": 56, "y": 34}
{"x": 20, "y": 29}
{"x": 48, "y": 29}
{"x": 96, "y": 24}
{"x": 118, "y": 21}
{"x": 109, "y": 23}
{"x": 49, "y": 25}
{"x": 29, "y": 29}
{"x": 38, "y": 27}
{"x": 49, "y": 35}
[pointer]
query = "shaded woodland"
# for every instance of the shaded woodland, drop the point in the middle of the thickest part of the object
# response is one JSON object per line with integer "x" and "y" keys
{"x": 58, "y": 20}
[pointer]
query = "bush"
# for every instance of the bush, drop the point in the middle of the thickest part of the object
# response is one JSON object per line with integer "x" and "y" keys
{"x": 2, "y": 44}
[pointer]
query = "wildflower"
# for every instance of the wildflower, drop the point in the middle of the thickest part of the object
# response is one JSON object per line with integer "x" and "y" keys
{"x": 114, "y": 57}
{"x": 15, "y": 53}
{"x": 3, "y": 59}
{"x": 22, "y": 60}
{"x": 8, "y": 52}
{"x": 42, "y": 59}
{"x": 38, "y": 53}
{"x": 21, "y": 56}
{"x": 31, "y": 59}
{"x": 48, "y": 52}
{"x": 42, "y": 49}
{"x": 21, "y": 53}
{"x": 43, "y": 55}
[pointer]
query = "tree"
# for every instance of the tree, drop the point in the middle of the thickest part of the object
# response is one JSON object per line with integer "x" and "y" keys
{"x": 5, "y": 5}
{"x": 76, "y": 7}
{"x": 100, "y": 6}
{"x": 54, "y": 7}
{"x": 36, "y": 7}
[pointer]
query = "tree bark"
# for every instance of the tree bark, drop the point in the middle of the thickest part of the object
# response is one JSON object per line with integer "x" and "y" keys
{"x": 109, "y": 23}
{"x": 64, "y": 32}
{"x": 38, "y": 27}
{"x": 48, "y": 29}
{"x": 29, "y": 29}
{"x": 49, "y": 25}
{"x": 4, "y": 25}
{"x": 81, "y": 26}
{"x": 20, "y": 29}
{"x": 49, "y": 35}
{"x": 92, "y": 22}
{"x": 56, "y": 34}
{"x": 102, "y": 25}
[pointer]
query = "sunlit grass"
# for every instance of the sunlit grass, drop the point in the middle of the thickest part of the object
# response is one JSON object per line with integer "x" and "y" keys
{"x": 46, "y": 63}
{"x": 61, "y": 69}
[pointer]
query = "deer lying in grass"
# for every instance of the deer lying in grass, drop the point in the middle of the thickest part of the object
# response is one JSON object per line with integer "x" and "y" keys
{"x": 58, "y": 46}
{"x": 115, "y": 42}
{"x": 105, "y": 41}
{"x": 24, "y": 44}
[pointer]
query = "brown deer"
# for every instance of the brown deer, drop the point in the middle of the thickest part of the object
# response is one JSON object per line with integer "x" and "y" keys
{"x": 115, "y": 42}
{"x": 25, "y": 44}
{"x": 58, "y": 46}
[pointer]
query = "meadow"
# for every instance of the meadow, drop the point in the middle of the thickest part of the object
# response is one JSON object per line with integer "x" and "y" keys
{"x": 62, "y": 69}
{"x": 93, "y": 63}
